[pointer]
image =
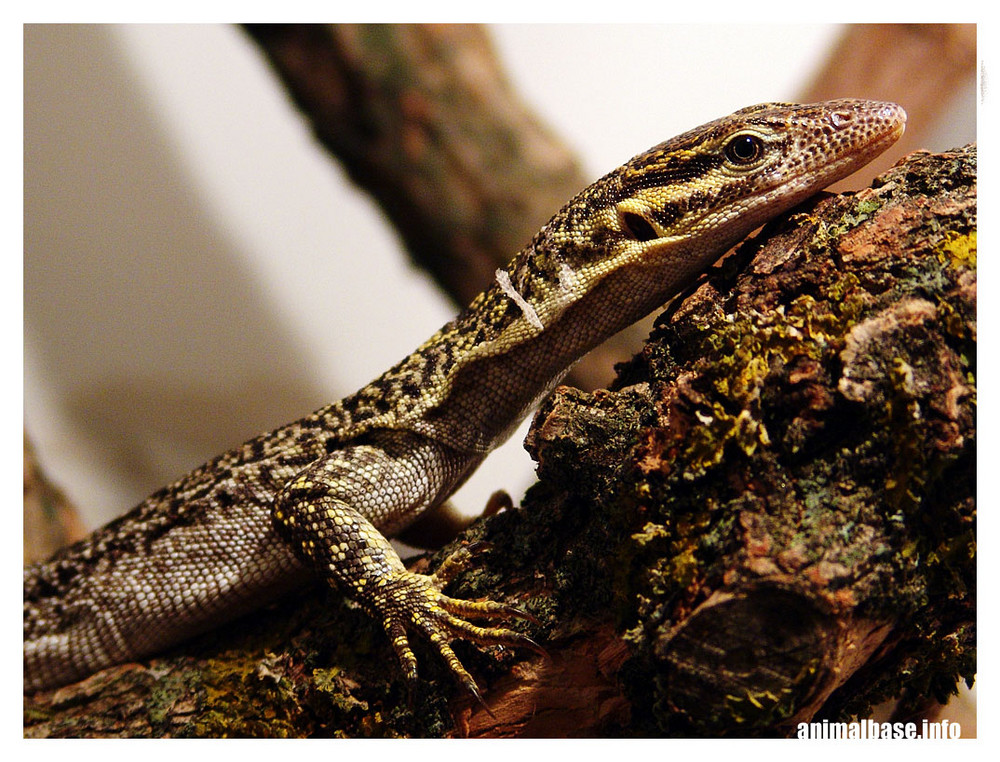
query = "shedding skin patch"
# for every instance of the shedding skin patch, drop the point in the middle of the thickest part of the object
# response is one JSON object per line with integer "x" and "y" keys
{"x": 568, "y": 280}
{"x": 503, "y": 280}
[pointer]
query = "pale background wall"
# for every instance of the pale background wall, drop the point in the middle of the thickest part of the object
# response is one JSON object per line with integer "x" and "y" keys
{"x": 196, "y": 270}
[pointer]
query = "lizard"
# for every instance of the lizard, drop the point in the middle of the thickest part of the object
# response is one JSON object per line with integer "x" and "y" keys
{"x": 322, "y": 495}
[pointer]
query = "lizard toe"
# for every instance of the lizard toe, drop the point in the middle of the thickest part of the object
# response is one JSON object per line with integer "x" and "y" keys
{"x": 441, "y": 619}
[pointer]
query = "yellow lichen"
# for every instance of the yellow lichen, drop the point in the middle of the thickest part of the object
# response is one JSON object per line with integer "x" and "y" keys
{"x": 957, "y": 249}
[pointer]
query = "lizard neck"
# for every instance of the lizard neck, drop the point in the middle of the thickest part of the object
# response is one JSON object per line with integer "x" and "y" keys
{"x": 496, "y": 383}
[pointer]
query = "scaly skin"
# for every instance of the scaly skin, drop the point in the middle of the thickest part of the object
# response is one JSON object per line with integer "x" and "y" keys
{"x": 322, "y": 494}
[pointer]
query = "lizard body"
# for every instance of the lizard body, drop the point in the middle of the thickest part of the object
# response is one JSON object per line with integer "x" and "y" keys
{"x": 320, "y": 495}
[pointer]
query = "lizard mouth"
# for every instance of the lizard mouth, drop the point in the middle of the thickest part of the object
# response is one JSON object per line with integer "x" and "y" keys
{"x": 856, "y": 134}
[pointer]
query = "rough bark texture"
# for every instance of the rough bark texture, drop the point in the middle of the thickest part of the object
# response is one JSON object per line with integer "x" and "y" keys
{"x": 769, "y": 519}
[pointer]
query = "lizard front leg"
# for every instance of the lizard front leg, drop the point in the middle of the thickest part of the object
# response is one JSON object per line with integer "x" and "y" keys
{"x": 331, "y": 515}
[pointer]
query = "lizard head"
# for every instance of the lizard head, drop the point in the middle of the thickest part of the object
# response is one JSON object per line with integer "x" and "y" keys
{"x": 725, "y": 178}
{"x": 680, "y": 205}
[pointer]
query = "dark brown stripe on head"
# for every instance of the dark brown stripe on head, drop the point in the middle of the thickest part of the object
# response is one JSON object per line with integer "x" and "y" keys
{"x": 668, "y": 213}
{"x": 673, "y": 170}
{"x": 662, "y": 168}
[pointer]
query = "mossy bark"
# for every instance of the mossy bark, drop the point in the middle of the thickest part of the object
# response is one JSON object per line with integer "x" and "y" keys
{"x": 769, "y": 519}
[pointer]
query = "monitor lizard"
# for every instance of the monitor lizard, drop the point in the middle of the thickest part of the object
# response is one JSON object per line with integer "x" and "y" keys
{"x": 320, "y": 496}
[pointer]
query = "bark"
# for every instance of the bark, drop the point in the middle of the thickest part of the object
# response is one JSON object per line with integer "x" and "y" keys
{"x": 769, "y": 519}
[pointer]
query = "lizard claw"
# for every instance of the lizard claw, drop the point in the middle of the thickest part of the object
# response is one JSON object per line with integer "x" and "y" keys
{"x": 474, "y": 690}
{"x": 411, "y": 601}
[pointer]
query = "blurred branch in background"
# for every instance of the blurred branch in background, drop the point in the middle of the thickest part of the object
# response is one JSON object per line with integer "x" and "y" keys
{"x": 423, "y": 118}
{"x": 919, "y": 66}
{"x": 50, "y": 520}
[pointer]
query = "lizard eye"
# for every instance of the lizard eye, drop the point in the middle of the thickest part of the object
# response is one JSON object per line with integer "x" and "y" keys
{"x": 744, "y": 149}
{"x": 638, "y": 227}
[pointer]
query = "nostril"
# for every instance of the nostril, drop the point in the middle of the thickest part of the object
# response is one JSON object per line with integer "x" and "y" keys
{"x": 892, "y": 112}
{"x": 841, "y": 119}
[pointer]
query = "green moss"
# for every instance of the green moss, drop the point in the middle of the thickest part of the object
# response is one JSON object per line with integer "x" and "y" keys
{"x": 243, "y": 698}
{"x": 745, "y": 352}
{"x": 829, "y": 230}
{"x": 165, "y": 693}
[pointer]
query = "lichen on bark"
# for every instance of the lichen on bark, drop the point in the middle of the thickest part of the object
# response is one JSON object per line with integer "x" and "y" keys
{"x": 805, "y": 499}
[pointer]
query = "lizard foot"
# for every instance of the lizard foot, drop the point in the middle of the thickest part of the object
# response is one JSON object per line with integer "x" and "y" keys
{"x": 409, "y": 601}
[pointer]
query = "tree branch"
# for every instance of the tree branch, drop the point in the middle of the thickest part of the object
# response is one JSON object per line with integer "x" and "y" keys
{"x": 422, "y": 117}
